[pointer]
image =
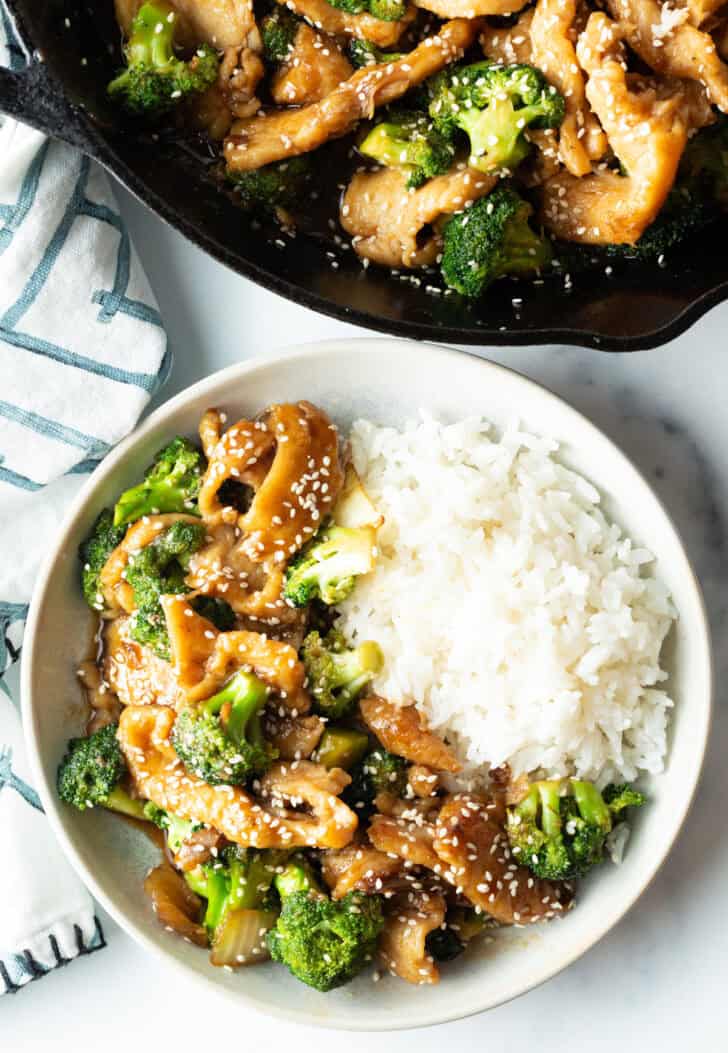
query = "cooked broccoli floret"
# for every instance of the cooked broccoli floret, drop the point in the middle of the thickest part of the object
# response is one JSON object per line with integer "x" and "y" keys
{"x": 490, "y": 240}
{"x": 409, "y": 140}
{"x": 386, "y": 10}
{"x": 155, "y": 80}
{"x": 622, "y": 796}
{"x": 220, "y": 740}
{"x": 494, "y": 105}
{"x": 159, "y": 570}
{"x": 378, "y": 772}
{"x": 337, "y": 674}
{"x": 279, "y": 185}
{"x": 171, "y": 484}
{"x": 177, "y": 829}
{"x": 341, "y": 747}
{"x": 559, "y": 830}
{"x": 323, "y": 943}
{"x": 238, "y": 880}
{"x": 278, "y": 30}
{"x": 327, "y": 567}
{"x": 94, "y": 552}
{"x": 704, "y": 164}
{"x": 216, "y": 611}
{"x": 364, "y": 53}
{"x": 91, "y": 771}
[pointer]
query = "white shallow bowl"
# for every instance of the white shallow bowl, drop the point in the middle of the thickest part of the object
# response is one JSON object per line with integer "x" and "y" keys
{"x": 387, "y": 381}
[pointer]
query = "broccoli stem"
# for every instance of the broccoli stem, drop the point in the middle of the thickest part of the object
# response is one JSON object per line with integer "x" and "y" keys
{"x": 151, "y": 40}
{"x": 341, "y": 747}
{"x": 120, "y": 801}
{"x": 295, "y": 877}
{"x": 550, "y": 798}
{"x": 591, "y": 804}
{"x": 246, "y": 695}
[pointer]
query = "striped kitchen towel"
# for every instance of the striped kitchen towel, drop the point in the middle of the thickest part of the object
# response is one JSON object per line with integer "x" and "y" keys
{"x": 82, "y": 349}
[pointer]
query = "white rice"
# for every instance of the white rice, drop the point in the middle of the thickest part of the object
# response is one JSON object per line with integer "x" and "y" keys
{"x": 509, "y": 609}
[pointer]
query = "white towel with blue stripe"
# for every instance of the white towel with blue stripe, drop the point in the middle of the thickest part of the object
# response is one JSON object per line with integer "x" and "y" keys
{"x": 82, "y": 349}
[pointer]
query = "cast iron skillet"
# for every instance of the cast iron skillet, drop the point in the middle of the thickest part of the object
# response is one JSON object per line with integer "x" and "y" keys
{"x": 72, "y": 50}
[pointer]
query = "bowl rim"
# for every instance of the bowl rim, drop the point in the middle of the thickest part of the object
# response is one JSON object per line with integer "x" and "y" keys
{"x": 46, "y": 790}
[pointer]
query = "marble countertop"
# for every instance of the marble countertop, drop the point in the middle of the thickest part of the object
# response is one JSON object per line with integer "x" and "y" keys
{"x": 658, "y": 979}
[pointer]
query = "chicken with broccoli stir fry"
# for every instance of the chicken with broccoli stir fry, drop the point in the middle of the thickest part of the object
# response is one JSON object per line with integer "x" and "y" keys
{"x": 306, "y": 818}
{"x": 582, "y": 114}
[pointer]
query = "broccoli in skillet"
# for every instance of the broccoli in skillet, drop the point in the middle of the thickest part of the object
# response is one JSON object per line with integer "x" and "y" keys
{"x": 364, "y": 53}
{"x": 91, "y": 772}
{"x": 94, "y": 552}
{"x": 278, "y": 31}
{"x": 337, "y": 674}
{"x": 171, "y": 484}
{"x": 216, "y": 611}
{"x": 220, "y": 740}
{"x": 328, "y": 566}
{"x": 324, "y": 943}
{"x": 386, "y": 10}
{"x": 155, "y": 80}
{"x": 159, "y": 570}
{"x": 559, "y": 830}
{"x": 279, "y": 185}
{"x": 492, "y": 239}
{"x": 409, "y": 140}
{"x": 494, "y": 105}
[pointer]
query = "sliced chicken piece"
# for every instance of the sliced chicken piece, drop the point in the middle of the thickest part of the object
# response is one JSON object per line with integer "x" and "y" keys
{"x": 221, "y": 23}
{"x": 471, "y": 842}
{"x": 359, "y": 867}
{"x": 394, "y": 226}
{"x": 698, "y": 12}
{"x": 241, "y": 71}
{"x": 647, "y": 124}
{"x": 158, "y": 774}
{"x": 581, "y": 138}
{"x": 423, "y": 781}
{"x": 304, "y": 783}
{"x": 203, "y": 658}
{"x": 175, "y": 904}
{"x": 276, "y": 136}
{"x": 254, "y": 591}
{"x": 295, "y": 738}
{"x": 509, "y": 44}
{"x": 411, "y": 917}
{"x": 410, "y": 840}
{"x": 470, "y": 8}
{"x": 674, "y": 50}
{"x": 118, "y": 595}
{"x": 402, "y": 730}
{"x": 290, "y": 458}
{"x": 242, "y": 455}
{"x": 335, "y": 22}
{"x": 300, "y": 487}
{"x": 314, "y": 67}
{"x": 134, "y": 674}
{"x": 198, "y": 848}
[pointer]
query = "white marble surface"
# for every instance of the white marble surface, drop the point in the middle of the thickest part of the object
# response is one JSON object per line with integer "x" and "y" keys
{"x": 658, "y": 981}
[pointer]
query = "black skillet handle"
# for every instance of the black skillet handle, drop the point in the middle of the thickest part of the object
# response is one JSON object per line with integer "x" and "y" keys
{"x": 29, "y": 93}
{"x": 31, "y": 96}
